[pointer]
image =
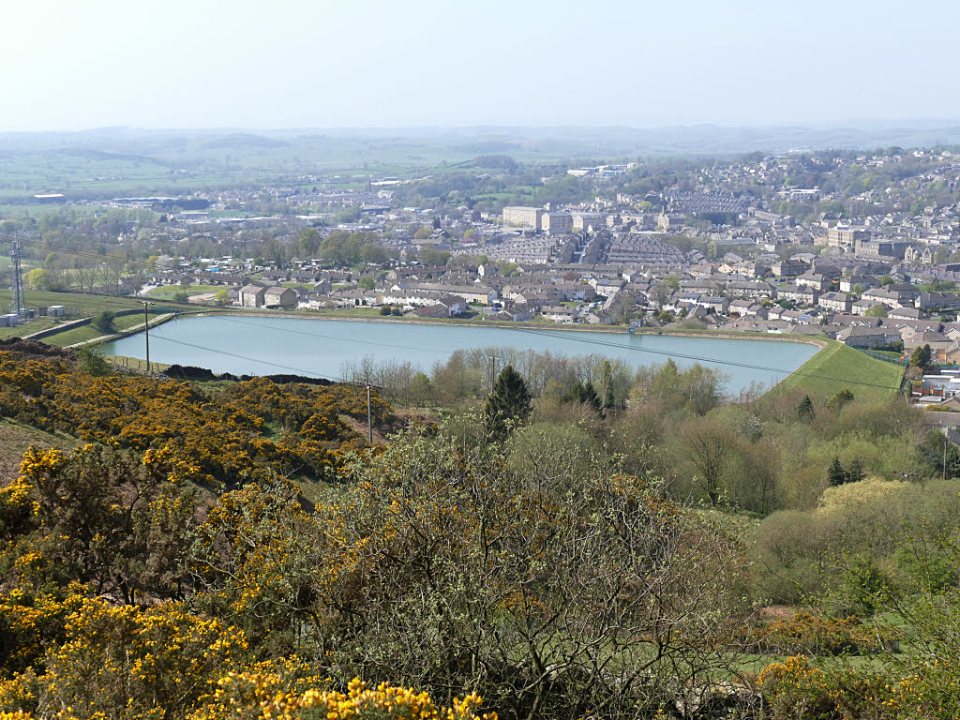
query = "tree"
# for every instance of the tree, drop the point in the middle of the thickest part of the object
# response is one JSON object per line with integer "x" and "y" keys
{"x": 309, "y": 242}
{"x": 103, "y": 321}
{"x": 508, "y": 404}
{"x": 92, "y": 362}
{"x": 920, "y": 357}
{"x": 708, "y": 442}
{"x": 38, "y": 279}
{"x": 660, "y": 294}
{"x": 877, "y": 311}
{"x": 855, "y": 471}
{"x": 841, "y": 400}
{"x": 367, "y": 282}
{"x": 836, "y": 474}
{"x": 805, "y": 408}
{"x": 431, "y": 256}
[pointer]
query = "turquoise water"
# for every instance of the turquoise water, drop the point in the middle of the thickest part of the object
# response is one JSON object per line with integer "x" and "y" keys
{"x": 322, "y": 348}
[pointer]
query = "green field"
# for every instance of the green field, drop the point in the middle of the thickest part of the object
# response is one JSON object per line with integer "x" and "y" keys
{"x": 169, "y": 292}
{"x": 88, "y": 332}
{"x": 76, "y": 305}
{"x": 839, "y": 367}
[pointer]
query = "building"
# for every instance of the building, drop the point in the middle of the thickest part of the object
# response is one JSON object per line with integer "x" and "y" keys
{"x": 519, "y": 216}
{"x": 881, "y": 248}
{"x": 586, "y": 222}
{"x": 836, "y": 301}
{"x": 556, "y": 223}
{"x": 789, "y": 268}
{"x": 869, "y": 337}
{"x": 252, "y": 296}
{"x": 803, "y": 294}
{"x": 281, "y": 297}
{"x": 843, "y": 236}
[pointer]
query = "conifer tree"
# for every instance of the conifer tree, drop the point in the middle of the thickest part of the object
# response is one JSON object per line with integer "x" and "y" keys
{"x": 507, "y": 405}
{"x": 855, "y": 471}
{"x": 836, "y": 474}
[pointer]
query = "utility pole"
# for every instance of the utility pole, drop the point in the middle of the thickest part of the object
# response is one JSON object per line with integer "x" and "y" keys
{"x": 369, "y": 419}
{"x": 146, "y": 331}
{"x": 493, "y": 370}
{"x": 945, "y": 431}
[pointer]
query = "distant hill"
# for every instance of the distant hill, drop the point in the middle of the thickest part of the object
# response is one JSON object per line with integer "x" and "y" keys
{"x": 109, "y": 161}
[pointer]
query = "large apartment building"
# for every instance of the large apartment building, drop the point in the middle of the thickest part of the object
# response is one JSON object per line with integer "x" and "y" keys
{"x": 518, "y": 216}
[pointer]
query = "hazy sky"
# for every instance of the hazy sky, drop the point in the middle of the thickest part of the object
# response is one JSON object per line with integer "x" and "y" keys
{"x": 74, "y": 64}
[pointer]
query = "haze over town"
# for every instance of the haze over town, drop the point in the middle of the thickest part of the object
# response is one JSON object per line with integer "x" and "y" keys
{"x": 297, "y": 64}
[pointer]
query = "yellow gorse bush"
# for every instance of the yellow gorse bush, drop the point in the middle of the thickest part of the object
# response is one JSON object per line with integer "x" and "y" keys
{"x": 239, "y": 693}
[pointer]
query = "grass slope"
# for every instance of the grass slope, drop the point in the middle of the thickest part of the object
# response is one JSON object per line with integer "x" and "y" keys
{"x": 89, "y": 332}
{"x": 15, "y": 438}
{"x": 839, "y": 367}
{"x": 76, "y": 305}
{"x": 169, "y": 292}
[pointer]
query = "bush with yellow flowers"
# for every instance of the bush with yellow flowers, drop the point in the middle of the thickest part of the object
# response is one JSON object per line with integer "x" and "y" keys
{"x": 128, "y": 662}
{"x": 796, "y": 688}
{"x": 259, "y": 697}
{"x": 228, "y": 434}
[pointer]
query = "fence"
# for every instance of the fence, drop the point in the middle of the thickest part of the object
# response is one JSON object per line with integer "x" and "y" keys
{"x": 886, "y": 356}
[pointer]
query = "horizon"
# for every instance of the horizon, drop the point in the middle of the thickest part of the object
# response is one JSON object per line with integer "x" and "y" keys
{"x": 859, "y": 124}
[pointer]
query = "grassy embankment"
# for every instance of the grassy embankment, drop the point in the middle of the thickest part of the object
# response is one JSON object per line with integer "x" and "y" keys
{"x": 838, "y": 367}
{"x": 85, "y": 333}
{"x": 16, "y": 437}
{"x": 83, "y": 305}
{"x": 77, "y": 305}
{"x": 170, "y": 292}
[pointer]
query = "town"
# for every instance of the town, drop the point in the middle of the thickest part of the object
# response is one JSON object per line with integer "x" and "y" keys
{"x": 858, "y": 247}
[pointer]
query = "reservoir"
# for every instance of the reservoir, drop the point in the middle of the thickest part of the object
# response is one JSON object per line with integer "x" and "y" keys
{"x": 257, "y": 345}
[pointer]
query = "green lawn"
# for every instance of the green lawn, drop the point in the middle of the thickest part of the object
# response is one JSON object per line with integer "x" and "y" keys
{"x": 169, "y": 292}
{"x": 35, "y": 325}
{"x": 88, "y": 332}
{"x": 76, "y": 305}
{"x": 839, "y": 367}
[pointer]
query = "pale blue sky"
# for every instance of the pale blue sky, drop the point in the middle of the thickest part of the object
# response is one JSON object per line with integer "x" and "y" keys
{"x": 75, "y": 64}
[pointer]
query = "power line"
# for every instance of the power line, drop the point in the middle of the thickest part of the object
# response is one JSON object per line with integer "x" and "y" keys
{"x": 700, "y": 358}
{"x": 298, "y": 371}
{"x": 329, "y": 337}
{"x": 575, "y": 337}
{"x": 546, "y": 333}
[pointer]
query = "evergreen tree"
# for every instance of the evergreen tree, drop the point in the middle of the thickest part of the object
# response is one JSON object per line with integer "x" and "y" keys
{"x": 589, "y": 396}
{"x": 921, "y": 356}
{"x": 608, "y": 398}
{"x": 855, "y": 471}
{"x": 805, "y": 408}
{"x": 836, "y": 474}
{"x": 508, "y": 404}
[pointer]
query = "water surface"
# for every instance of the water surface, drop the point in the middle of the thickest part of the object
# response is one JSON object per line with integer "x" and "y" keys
{"x": 257, "y": 345}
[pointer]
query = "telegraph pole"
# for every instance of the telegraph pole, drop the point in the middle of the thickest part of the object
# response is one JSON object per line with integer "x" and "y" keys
{"x": 369, "y": 419}
{"x": 146, "y": 332}
{"x": 945, "y": 436}
{"x": 493, "y": 370}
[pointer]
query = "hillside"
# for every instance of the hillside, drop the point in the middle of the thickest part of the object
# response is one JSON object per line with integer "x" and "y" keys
{"x": 838, "y": 367}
